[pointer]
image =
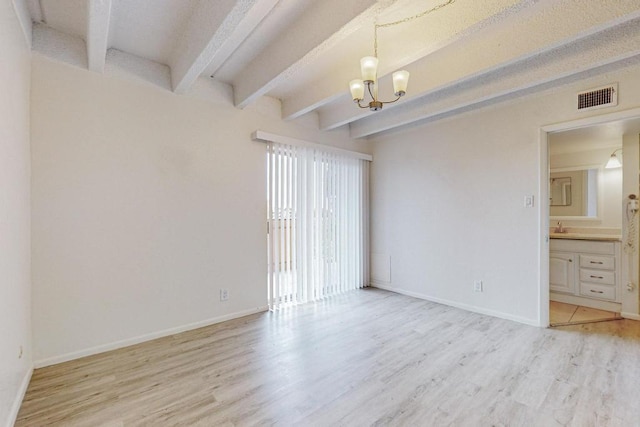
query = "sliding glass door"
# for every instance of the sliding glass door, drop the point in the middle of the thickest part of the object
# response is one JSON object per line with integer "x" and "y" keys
{"x": 317, "y": 222}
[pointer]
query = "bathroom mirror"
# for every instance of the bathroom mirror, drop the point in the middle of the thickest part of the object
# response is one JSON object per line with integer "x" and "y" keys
{"x": 560, "y": 191}
{"x": 574, "y": 192}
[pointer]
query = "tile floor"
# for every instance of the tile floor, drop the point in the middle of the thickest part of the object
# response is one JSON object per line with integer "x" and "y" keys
{"x": 569, "y": 314}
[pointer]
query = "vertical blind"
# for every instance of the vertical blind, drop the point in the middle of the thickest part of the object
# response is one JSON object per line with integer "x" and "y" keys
{"x": 318, "y": 204}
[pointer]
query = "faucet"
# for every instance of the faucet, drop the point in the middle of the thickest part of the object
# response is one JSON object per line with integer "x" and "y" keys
{"x": 559, "y": 228}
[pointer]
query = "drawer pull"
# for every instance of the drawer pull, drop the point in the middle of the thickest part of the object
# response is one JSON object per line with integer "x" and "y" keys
{"x": 596, "y": 277}
{"x": 596, "y": 262}
{"x": 596, "y": 292}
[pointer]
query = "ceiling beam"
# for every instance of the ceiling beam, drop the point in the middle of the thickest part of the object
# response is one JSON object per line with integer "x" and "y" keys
{"x": 325, "y": 24}
{"x": 250, "y": 21}
{"x": 59, "y": 46}
{"x": 471, "y": 58}
{"x": 215, "y": 31}
{"x": 596, "y": 54}
{"x": 135, "y": 68}
{"x": 420, "y": 38}
{"x": 98, "y": 17}
{"x": 318, "y": 94}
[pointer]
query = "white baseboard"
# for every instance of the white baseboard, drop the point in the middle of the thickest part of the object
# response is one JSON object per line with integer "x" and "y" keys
{"x": 142, "y": 338}
{"x": 15, "y": 408}
{"x": 467, "y": 307}
{"x": 631, "y": 316}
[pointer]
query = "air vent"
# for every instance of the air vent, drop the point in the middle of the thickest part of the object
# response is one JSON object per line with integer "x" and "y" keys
{"x": 606, "y": 96}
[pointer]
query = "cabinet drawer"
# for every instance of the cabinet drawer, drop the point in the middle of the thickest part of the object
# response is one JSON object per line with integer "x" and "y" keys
{"x": 593, "y": 290}
{"x": 584, "y": 246}
{"x": 599, "y": 262}
{"x": 598, "y": 276}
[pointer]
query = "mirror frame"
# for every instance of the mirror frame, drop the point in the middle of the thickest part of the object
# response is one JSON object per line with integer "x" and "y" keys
{"x": 563, "y": 191}
{"x": 600, "y": 193}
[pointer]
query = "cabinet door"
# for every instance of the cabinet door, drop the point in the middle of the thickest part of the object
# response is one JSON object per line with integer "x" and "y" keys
{"x": 562, "y": 272}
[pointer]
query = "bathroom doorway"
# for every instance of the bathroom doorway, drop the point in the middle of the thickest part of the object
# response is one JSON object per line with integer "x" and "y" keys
{"x": 589, "y": 270}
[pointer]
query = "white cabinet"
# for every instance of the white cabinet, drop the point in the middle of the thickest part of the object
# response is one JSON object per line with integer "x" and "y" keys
{"x": 585, "y": 268}
{"x": 562, "y": 272}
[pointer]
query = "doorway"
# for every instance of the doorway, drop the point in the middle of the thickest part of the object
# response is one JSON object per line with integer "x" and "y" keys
{"x": 588, "y": 270}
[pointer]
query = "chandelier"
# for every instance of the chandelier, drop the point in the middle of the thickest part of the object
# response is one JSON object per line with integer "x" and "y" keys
{"x": 369, "y": 69}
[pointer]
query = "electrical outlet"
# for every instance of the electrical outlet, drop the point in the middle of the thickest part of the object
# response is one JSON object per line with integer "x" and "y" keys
{"x": 224, "y": 294}
{"x": 477, "y": 285}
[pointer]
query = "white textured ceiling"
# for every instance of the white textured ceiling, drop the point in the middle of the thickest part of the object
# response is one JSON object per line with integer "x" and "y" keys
{"x": 285, "y": 11}
{"x": 69, "y": 16}
{"x": 148, "y": 28}
{"x": 304, "y": 52}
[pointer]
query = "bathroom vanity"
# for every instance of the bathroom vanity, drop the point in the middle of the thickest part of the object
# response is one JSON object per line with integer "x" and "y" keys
{"x": 584, "y": 269}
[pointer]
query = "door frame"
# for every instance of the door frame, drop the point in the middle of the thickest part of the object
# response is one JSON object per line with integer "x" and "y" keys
{"x": 543, "y": 206}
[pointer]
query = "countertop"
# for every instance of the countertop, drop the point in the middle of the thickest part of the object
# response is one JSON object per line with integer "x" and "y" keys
{"x": 587, "y": 236}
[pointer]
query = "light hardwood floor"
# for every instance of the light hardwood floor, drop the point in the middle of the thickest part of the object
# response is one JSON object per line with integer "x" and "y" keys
{"x": 368, "y": 357}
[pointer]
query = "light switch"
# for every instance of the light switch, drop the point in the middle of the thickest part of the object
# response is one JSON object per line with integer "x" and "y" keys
{"x": 528, "y": 201}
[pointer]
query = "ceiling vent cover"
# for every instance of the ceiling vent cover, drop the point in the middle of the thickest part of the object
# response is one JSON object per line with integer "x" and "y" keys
{"x": 601, "y": 97}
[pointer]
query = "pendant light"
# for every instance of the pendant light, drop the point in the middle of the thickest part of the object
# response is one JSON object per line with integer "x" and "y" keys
{"x": 614, "y": 162}
{"x": 369, "y": 70}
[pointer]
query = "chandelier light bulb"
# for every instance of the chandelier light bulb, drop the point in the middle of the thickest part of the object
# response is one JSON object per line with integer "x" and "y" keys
{"x": 400, "y": 82}
{"x": 357, "y": 89}
{"x": 369, "y": 68}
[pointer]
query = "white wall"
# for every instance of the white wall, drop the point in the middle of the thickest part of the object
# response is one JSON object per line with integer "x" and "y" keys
{"x": 145, "y": 204}
{"x": 15, "y": 287}
{"x": 448, "y": 200}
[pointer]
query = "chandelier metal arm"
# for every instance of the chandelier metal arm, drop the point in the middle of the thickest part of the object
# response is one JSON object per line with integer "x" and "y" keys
{"x": 391, "y": 102}
{"x": 369, "y": 84}
{"x": 375, "y": 104}
{"x": 369, "y": 89}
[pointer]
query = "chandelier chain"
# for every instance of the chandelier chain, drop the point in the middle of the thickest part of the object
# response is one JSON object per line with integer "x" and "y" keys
{"x": 403, "y": 21}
